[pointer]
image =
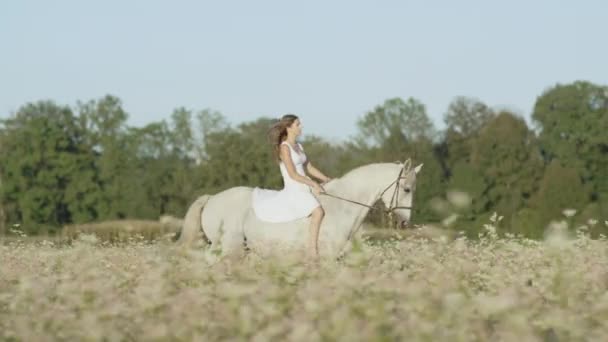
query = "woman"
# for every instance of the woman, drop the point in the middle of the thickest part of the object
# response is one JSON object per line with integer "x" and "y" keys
{"x": 296, "y": 199}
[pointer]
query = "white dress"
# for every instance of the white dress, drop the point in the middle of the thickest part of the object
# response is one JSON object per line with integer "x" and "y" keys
{"x": 294, "y": 201}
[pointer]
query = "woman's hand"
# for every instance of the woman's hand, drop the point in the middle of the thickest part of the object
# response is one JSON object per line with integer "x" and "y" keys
{"x": 318, "y": 189}
{"x": 327, "y": 180}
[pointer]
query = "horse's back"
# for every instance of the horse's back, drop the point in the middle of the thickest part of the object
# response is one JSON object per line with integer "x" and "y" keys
{"x": 231, "y": 197}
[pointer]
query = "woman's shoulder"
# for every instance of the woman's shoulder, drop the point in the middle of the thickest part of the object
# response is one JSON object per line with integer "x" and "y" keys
{"x": 285, "y": 146}
{"x": 284, "y": 142}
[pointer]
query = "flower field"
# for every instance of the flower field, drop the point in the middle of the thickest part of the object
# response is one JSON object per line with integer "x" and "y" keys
{"x": 421, "y": 289}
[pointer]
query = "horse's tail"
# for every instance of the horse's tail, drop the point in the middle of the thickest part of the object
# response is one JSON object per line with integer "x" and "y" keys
{"x": 192, "y": 222}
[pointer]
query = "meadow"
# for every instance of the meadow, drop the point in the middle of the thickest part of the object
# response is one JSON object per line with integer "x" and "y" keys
{"x": 415, "y": 287}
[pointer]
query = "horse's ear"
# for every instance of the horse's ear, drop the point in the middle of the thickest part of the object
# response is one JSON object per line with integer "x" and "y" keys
{"x": 407, "y": 164}
{"x": 418, "y": 168}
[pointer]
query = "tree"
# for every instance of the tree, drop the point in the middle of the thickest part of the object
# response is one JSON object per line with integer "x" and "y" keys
{"x": 395, "y": 119}
{"x": 573, "y": 121}
{"x": 506, "y": 157}
{"x": 466, "y": 116}
{"x": 107, "y": 135}
{"x": 209, "y": 122}
{"x": 329, "y": 157}
{"x": 2, "y": 206}
{"x": 153, "y": 167}
{"x": 240, "y": 156}
{"x": 41, "y": 156}
{"x": 560, "y": 188}
{"x": 182, "y": 135}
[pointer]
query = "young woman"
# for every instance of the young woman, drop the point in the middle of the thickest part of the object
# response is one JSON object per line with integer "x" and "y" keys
{"x": 295, "y": 200}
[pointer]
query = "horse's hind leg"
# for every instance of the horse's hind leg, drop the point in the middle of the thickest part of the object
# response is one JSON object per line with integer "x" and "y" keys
{"x": 232, "y": 243}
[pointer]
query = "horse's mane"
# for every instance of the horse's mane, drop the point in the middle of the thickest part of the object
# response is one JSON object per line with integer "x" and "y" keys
{"x": 361, "y": 167}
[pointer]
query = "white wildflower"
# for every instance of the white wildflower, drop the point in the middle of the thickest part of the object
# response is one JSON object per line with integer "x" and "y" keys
{"x": 490, "y": 230}
{"x": 439, "y": 206}
{"x": 491, "y": 305}
{"x": 453, "y": 300}
{"x": 448, "y": 221}
{"x": 495, "y": 218}
{"x": 459, "y": 199}
{"x": 556, "y": 234}
{"x": 569, "y": 212}
{"x": 88, "y": 238}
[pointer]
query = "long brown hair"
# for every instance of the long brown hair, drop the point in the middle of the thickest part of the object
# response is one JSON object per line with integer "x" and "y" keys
{"x": 278, "y": 132}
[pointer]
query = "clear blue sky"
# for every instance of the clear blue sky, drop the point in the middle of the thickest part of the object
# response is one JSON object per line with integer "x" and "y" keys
{"x": 328, "y": 61}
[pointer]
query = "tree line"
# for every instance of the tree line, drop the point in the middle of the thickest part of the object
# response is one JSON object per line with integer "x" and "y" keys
{"x": 61, "y": 165}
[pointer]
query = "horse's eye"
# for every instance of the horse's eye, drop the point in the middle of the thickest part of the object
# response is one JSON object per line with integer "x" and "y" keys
{"x": 407, "y": 190}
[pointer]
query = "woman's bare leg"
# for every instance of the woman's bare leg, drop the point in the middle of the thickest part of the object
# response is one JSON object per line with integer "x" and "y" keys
{"x": 315, "y": 224}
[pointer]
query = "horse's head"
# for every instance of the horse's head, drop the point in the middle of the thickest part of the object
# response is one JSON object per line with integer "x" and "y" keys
{"x": 399, "y": 196}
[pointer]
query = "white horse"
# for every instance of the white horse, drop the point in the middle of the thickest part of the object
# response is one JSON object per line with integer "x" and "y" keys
{"x": 228, "y": 220}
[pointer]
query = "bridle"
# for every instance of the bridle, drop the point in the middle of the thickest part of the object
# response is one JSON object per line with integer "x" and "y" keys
{"x": 394, "y": 198}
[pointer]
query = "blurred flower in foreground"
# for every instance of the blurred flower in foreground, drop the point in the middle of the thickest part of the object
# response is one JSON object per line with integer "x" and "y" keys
{"x": 495, "y": 218}
{"x": 448, "y": 221}
{"x": 556, "y": 234}
{"x": 459, "y": 199}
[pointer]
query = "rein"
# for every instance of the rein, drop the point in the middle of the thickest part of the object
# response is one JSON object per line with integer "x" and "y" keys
{"x": 394, "y": 197}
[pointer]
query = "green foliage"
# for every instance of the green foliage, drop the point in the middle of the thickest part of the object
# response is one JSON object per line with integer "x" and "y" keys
{"x": 561, "y": 188}
{"x": 573, "y": 120}
{"x": 466, "y": 116}
{"x": 505, "y": 156}
{"x": 60, "y": 168}
{"x": 241, "y": 156}
{"x": 394, "y": 121}
{"x": 64, "y": 166}
{"x": 41, "y": 155}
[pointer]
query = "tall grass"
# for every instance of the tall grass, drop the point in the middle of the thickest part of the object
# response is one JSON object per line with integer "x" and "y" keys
{"x": 431, "y": 289}
{"x": 124, "y": 230}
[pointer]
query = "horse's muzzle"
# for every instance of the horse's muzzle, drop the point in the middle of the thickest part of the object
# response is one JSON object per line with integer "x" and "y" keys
{"x": 404, "y": 224}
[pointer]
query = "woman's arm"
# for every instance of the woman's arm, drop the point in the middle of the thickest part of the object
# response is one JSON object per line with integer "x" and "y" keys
{"x": 291, "y": 169}
{"x": 316, "y": 173}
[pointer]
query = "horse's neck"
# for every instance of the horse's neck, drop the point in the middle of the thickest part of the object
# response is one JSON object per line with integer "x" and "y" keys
{"x": 364, "y": 185}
